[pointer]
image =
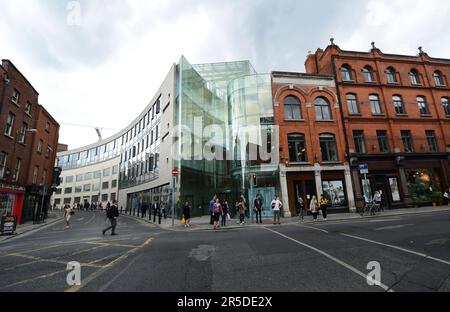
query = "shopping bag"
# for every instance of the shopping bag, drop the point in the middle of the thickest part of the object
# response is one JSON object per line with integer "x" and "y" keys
{"x": 228, "y": 217}
{"x": 183, "y": 221}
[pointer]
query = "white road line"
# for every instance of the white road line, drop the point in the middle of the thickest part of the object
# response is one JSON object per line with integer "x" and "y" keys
{"x": 313, "y": 228}
{"x": 393, "y": 227}
{"x": 398, "y": 248}
{"x": 120, "y": 273}
{"x": 342, "y": 263}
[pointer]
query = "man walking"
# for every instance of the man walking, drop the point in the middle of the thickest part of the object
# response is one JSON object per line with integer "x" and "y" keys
{"x": 112, "y": 214}
{"x": 258, "y": 206}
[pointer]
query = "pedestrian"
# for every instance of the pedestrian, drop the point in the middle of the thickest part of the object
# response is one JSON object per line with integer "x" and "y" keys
{"x": 314, "y": 207}
{"x": 258, "y": 207}
{"x": 323, "y": 206}
{"x": 276, "y": 207}
{"x": 121, "y": 209}
{"x": 68, "y": 213}
{"x": 143, "y": 210}
{"x": 154, "y": 212}
{"x": 241, "y": 207}
{"x": 225, "y": 211}
{"x": 217, "y": 209}
{"x": 187, "y": 214}
{"x": 211, "y": 208}
{"x": 377, "y": 200}
{"x": 112, "y": 214}
{"x": 159, "y": 211}
{"x": 301, "y": 209}
{"x": 163, "y": 208}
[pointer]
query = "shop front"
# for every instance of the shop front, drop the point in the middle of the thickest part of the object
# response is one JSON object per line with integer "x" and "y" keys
{"x": 11, "y": 201}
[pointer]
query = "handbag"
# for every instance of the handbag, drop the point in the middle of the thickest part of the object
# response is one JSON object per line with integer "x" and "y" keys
{"x": 183, "y": 221}
{"x": 228, "y": 217}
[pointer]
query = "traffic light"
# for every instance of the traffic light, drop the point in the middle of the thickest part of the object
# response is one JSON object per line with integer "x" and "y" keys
{"x": 254, "y": 180}
{"x": 56, "y": 176}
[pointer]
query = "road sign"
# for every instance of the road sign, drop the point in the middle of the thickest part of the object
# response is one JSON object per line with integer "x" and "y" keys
{"x": 364, "y": 168}
{"x": 175, "y": 172}
{"x": 8, "y": 225}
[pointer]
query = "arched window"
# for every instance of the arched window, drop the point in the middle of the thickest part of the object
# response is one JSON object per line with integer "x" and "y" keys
{"x": 292, "y": 109}
{"x": 368, "y": 74}
{"x": 328, "y": 147}
{"x": 423, "y": 107}
{"x": 438, "y": 78}
{"x": 398, "y": 104}
{"x": 352, "y": 103}
{"x": 446, "y": 105}
{"x": 375, "y": 104}
{"x": 415, "y": 80}
{"x": 346, "y": 73}
{"x": 390, "y": 73}
{"x": 323, "y": 110}
{"x": 297, "y": 147}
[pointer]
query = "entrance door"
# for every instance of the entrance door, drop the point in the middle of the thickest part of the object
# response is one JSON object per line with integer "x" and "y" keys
{"x": 306, "y": 189}
{"x": 381, "y": 183}
{"x": 267, "y": 195}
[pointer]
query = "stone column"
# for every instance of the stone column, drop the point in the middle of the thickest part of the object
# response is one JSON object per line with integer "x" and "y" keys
{"x": 318, "y": 178}
{"x": 284, "y": 192}
{"x": 349, "y": 187}
{"x": 404, "y": 185}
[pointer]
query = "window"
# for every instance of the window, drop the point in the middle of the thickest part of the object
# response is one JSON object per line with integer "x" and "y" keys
{"x": 88, "y": 176}
{"x": 292, "y": 110}
{"x": 323, "y": 111}
{"x": 104, "y": 197}
{"x": 67, "y": 201}
{"x": 39, "y": 148}
{"x": 47, "y": 127}
{"x": 3, "y": 156}
{"x": 297, "y": 147}
{"x": 48, "y": 151}
{"x": 358, "y": 138}
{"x": 407, "y": 141}
{"x": 398, "y": 104}
{"x": 158, "y": 105}
{"x": 44, "y": 176}
{"x": 15, "y": 97}
{"x": 328, "y": 147}
{"x": 106, "y": 172}
{"x": 375, "y": 104}
{"x": 368, "y": 74}
{"x": 105, "y": 185}
{"x": 352, "y": 103}
{"x": 87, "y": 188}
{"x": 69, "y": 179}
{"x": 28, "y": 108}
{"x": 431, "y": 139}
{"x": 383, "y": 141}
{"x": 390, "y": 73}
{"x": 17, "y": 169}
{"x": 438, "y": 79}
{"x": 58, "y": 191}
{"x": 446, "y": 105}
{"x": 78, "y": 189}
{"x": 114, "y": 183}
{"x": 113, "y": 196}
{"x": 115, "y": 169}
{"x": 95, "y": 187}
{"x": 97, "y": 174}
{"x": 23, "y": 131}
{"x": 423, "y": 107}
{"x": 346, "y": 73}
{"x": 79, "y": 177}
{"x": 10, "y": 124}
{"x": 68, "y": 190}
{"x": 35, "y": 174}
{"x": 414, "y": 75}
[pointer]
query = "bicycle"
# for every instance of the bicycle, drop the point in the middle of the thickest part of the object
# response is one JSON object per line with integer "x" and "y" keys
{"x": 370, "y": 207}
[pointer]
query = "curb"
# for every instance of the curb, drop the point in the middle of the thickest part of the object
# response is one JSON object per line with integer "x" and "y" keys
{"x": 25, "y": 233}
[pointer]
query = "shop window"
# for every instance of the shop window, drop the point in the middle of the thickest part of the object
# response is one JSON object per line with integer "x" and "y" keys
{"x": 395, "y": 190}
{"x": 7, "y": 203}
{"x": 334, "y": 192}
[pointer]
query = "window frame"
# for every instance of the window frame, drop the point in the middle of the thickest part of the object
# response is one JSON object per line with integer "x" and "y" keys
{"x": 296, "y": 139}
{"x": 423, "y": 105}
{"x": 326, "y": 139}
{"x": 292, "y": 108}
{"x": 352, "y": 103}
{"x": 368, "y": 74}
{"x": 328, "y": 107}
{"x": 359, "y": 141}
{"x": 396, "y": 107}
{"x": 391, "y": 73}
{"x": 377, "y": 101}
{"x": 346, "y": 75}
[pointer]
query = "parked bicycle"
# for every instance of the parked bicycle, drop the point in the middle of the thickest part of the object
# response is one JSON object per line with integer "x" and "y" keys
{"x": 371, "y": 208}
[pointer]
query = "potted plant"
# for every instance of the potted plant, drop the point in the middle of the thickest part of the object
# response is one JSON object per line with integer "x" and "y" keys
{"x": 437, "y": 198}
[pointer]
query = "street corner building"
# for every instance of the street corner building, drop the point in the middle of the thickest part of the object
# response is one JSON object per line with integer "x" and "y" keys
{"x": 396, "y": 119}
{"x": 312, "y": 141}
{"x": 193, "y": 104}
{"x": 28, "y": 141}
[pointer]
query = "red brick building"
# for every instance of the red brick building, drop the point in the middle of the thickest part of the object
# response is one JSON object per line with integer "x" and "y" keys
{"x": 22, "y": 127}
{"x": 312, "y": 141}
{"x": 396, "y": 116}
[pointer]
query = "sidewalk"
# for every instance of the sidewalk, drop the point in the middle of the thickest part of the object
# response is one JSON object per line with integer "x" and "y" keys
{"x": 202, "y": 223}
{"x": 29, "y": 227}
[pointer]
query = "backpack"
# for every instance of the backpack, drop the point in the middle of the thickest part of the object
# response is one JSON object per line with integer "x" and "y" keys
{"x": 109, "y": 212}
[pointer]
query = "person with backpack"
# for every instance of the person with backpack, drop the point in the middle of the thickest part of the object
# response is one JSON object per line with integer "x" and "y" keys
{"x": 217, "y": 210}
{"x": 323, "y": 206}
{"x": 112, "y": 214}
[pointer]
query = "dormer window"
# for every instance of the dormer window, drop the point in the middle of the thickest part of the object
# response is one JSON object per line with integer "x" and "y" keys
{"x": 346, "y": 73}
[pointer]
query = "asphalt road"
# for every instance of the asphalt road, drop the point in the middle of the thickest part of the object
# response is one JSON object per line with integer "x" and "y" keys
{"x": 413, "y": 252}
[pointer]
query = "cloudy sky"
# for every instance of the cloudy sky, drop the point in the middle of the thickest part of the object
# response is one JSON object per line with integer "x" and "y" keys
{"x": 101, "y": 68}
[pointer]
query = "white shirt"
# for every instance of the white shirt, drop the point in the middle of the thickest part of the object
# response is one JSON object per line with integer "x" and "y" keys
{"x": 277, "y": 204}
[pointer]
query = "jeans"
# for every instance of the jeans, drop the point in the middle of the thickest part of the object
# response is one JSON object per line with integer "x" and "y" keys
{"x": 315, "y": 214}
{"x": 242, "y": 218}
{"x": 224, "y": 220}
{"x": 276, "y": 215}
{"x": 112, "y": 227}
{"x": 258, "y": 213}
{"x": 324, "y": 212}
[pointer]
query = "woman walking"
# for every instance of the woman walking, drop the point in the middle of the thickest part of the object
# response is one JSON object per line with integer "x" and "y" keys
{"x": 241, "y": 208}
{"x": 217, "y": 209}
{"x": 314, "y": 207}
{"x": 225, "y": 210}
{"x": 323, "y": 206}
{"x": 187, "y": 214}
{"x": 67, "y": 215}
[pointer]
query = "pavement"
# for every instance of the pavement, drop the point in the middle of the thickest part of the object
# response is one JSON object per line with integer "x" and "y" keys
{"x": 203, "y": 223}
{"x": 408, "y": 252}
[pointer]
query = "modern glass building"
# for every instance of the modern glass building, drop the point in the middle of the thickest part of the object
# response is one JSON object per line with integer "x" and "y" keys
{"x": 213, "y": 122}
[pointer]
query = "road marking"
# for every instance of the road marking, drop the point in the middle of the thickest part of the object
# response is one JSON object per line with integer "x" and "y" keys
{"x": 393, "y": 227}
{"x": 342, "y": 263}
{"x": 105, "y": 268}
{"x": 113, "y": 245}
{"x": 38, "y": 259}
{"x": 313, "y": 228}
{"x": 33, "y": 279}
{"x": 385, "y": 220}
{"x": 120, "y": 273}
{"x": 398, "y": 248}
